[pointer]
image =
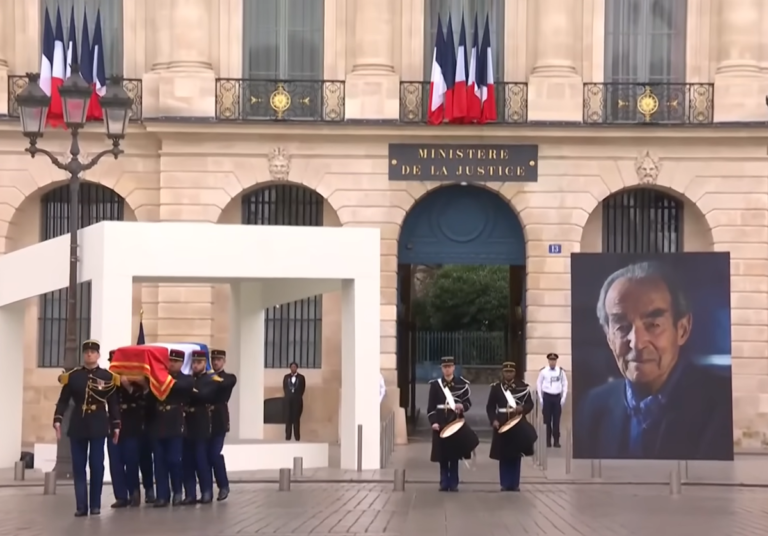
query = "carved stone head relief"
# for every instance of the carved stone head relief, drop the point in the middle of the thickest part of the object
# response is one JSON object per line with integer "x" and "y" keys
{"x": 279, "y": 164}
{"x": 648, "y": 168}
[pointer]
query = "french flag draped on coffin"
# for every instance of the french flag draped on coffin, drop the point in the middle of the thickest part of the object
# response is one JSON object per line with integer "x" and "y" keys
{"x": 148, "y": 361}
{"x": 188, "y": 348}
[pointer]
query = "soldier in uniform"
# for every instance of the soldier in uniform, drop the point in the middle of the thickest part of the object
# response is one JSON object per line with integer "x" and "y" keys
{"x": 198, "y": 432}
{"x": 95, "y": 416}
{"x": 220, "y": 422}
{"x": 124, "y": 456}
{"x": 166, "y": 428}
{"x": 146, "y": 464}
{"x": 507, "y": 400}
{"x": 441, "y": 410}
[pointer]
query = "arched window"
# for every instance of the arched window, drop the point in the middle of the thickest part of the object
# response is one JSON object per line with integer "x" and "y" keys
{"x": 111, "y": 26}
{"x": 642, "y": 221}
{"x": 283, "y": 39}
{"x": 292, "y": 331}
{"x": 645, "y": 41}
{"x": 97, "y": 203}
{"x": 469, "y": 8}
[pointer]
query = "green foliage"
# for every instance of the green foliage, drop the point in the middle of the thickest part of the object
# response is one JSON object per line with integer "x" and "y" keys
{"x": 464, "y": 298}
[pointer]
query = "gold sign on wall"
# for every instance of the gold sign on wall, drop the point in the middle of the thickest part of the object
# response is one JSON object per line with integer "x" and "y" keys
{"x": 463, "y": 163}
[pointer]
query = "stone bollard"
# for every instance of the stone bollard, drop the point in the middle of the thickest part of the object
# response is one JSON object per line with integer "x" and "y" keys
{"x": 284, "y": 483}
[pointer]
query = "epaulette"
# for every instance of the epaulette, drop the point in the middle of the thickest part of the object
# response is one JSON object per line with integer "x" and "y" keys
{"x": 463, "y": 378}
{"x": 216, "y": 378}
{"x": 494, "y": 383}
{"x": 64, "y": 376}
{"x": 115, "y": 378}
{"x": 433, "y": 380}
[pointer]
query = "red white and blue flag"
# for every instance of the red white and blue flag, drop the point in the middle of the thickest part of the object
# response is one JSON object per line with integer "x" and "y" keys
{"x": 473, "y": 89}
{"x": 437, "y": 85}
{"x": 46, "y": 58}
{"x": 448, "y": 65}
{"x": 98, "y": 72}
{"x": 72, "y": 44}
{"x": 58, "y": 72}
{"x": 485, "y": 77}
{"x": 460, "y": 109}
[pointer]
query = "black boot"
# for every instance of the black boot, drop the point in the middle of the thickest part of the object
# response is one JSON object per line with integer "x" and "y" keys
{"x": 95, "y": 511}
{"x": 135, "y": 499}
{"x": 176, "y": 501}
{"x": 120, "y": 503}
{"x": 206, "y": 498}
{"x": 223, "y": 494}
{"x": 149, "y": 496}
{"x": 81, "y": 513}
{"x": 189, "y": 501}
{"x": 160, "y": 504}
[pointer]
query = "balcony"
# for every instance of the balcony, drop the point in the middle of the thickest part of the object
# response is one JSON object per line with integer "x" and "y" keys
{"x": 132, "y": 86}
{"x": 279, "y": 100}
{"x": 511, "y": 102}
{"x": 650, "y": 103}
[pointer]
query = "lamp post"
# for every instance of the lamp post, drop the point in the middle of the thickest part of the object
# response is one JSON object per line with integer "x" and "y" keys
{"x": 33, "y": 111}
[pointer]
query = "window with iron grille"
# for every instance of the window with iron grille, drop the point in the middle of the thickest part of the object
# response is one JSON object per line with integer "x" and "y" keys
{"x": 97, "y": 203}
{"x": 292, "y": 331}
{"x": 642, "y": 221}
{"x": 111, "y": 26}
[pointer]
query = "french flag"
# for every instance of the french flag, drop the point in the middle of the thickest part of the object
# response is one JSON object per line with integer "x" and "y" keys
{"x": 485, "y": 77}
{"x": 99, "y": 74}
{"x": 86, "y": 66}
{"x": 437, "y": 85}
{"x": 58, "y": 70}
{"x": 46, "y": 58}
{"x": 473, "y": 89}
{"x": 72, "y": 44}
{"x": 449, "y": 70}
{"x": 460, "y": 84}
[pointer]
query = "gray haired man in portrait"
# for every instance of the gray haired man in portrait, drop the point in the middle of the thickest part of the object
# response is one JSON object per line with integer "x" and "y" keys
{"x": 667, "y": 406}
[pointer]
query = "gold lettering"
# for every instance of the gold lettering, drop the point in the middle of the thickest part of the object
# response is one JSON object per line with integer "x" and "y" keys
{"x": 504, "y": 154}
{"x": 481, "y": 170}
{"x": 459, "y": 153}
{"x": 481, "y": 154}
{"x": 471, "y": 154}
{"x": 459, "y": 171}
{"x": 520, "y": 171}
{"x": 509, "y": 171}
{"x": 422, "y": 153}
{"x": 492, "y": 154}
{"x": 406, "y": 170}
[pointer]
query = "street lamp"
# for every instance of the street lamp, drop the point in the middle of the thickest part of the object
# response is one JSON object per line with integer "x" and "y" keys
{"x": 33, "y": 110}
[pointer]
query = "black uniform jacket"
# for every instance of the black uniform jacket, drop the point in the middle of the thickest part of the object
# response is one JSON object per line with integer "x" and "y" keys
{"x": 198, "y": 411}
{"x": 96, "y": 412}
{"x": 133, "y": 410}
{"x": 166, "y": 417}
{"x": 519, "y": 440}
{"x": 220, "y": 414}
{"x": 439, "y": 412}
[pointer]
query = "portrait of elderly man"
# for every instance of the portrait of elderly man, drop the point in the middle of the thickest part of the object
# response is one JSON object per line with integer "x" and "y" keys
{"x": 666, "y": 404}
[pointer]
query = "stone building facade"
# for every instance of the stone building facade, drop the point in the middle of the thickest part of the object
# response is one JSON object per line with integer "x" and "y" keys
{"x": 195, "y": 151}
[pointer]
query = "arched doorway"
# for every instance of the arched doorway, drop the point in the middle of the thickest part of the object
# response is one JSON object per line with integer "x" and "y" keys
{"x": 292, "y": 331}
{"x": 642, "y": 220}
{"x": 97, "y": 203}
{"x": 465, "y": 233}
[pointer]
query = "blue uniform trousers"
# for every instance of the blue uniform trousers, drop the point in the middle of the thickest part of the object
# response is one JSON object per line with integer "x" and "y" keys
{"x": 145, "y": 463}
{"x": 124, "y": 467}
{"x": 509, "y": 473}
{"x": 215, "y": 446}
{"x": 167, "y": 453}
{"x": 449, "y": 474}
{"x": 88, "y": 452}
{"x": 196, "y": 468}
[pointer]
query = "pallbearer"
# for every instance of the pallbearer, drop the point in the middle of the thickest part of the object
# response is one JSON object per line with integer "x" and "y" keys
{"x": 198, "y": 432}
{"x": 452, "y": 440}
{"x": 509, "y": 402}
{"x": 95, "y": 416}
{"x": 146, "y": 464}
{"x": 220, "y": 422}
{"x": 166, "y": 428}
{"x": 124, "y": 455}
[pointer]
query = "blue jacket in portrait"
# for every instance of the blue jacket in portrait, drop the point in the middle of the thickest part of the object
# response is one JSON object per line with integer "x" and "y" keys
{"x": 695, "y": 420}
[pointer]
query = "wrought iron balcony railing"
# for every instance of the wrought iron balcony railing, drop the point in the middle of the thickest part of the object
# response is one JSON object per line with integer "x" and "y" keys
{"x": 279, "y": 100}
{"x": 132, "y": 86}
{"x": 511, "y": 102}
{"x": 650, "y": 103}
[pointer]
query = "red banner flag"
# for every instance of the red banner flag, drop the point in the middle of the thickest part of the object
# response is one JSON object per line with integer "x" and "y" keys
{"x": 150, "y": 362}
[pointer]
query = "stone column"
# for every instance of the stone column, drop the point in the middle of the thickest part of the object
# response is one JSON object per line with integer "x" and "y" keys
{"x": 6, "y": 34}
{"x": 188, "y": 86}
{"x": 160, "y": 26}
{"x": 373, "y": 87}
{"x": 555, "y": 87}
{"x": 738, "y": 81}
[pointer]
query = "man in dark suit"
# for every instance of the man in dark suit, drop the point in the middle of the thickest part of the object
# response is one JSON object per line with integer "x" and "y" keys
{"x": 294, "y": 386}
{"x": 667, "y": 407}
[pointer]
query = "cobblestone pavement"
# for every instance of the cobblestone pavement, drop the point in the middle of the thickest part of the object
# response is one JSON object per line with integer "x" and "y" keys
{"x": 317, "y": 509}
